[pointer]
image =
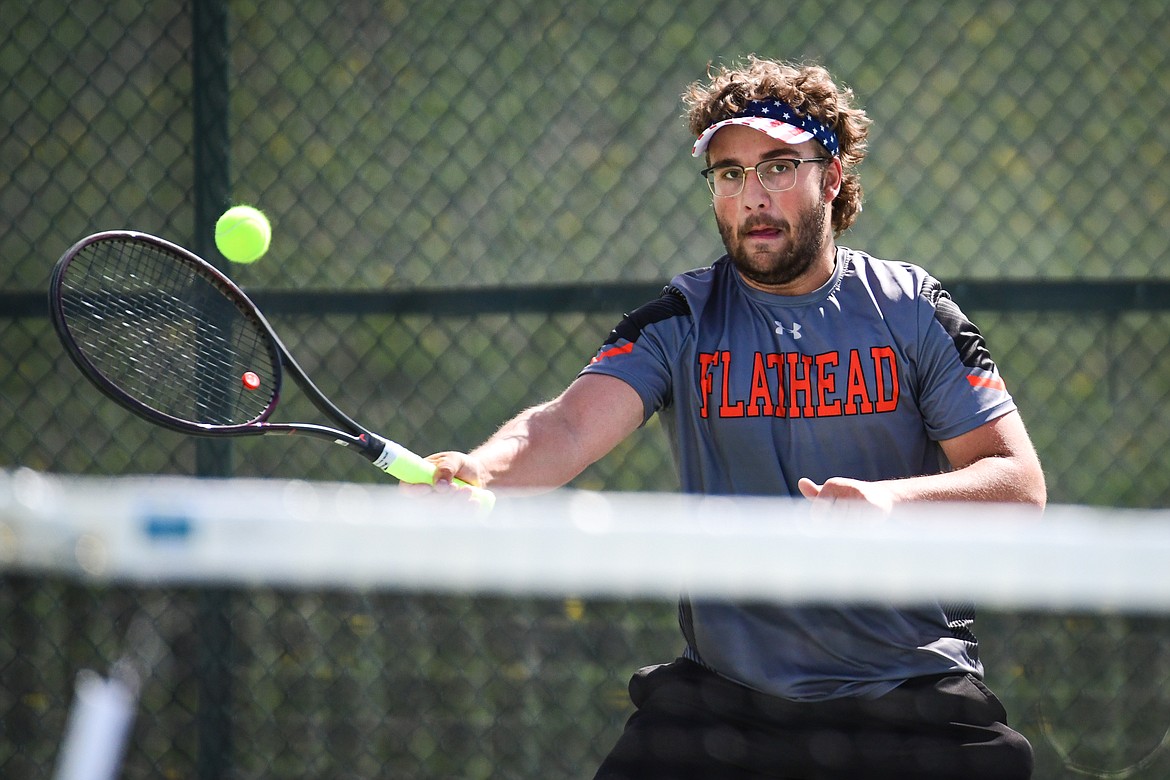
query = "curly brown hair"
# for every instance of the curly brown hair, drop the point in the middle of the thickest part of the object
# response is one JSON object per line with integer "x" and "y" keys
{"x": 804, "y": 87}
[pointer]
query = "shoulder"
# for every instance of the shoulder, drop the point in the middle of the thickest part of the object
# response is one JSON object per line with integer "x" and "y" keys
{"x": 910, "y": 298}
{"x": 670, "y": 303}
{"x": 686, "y": 294}
{"x": 673, "y": 312}
{"x": 700, "y": 285}
{"x": 899, "y": 280}
{"x": 891, "y": 280}
{"x": 931, "y": 306}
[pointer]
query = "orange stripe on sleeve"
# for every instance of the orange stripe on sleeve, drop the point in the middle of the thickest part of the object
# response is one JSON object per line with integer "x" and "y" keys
{"x": 992, "y": 382}
{"x": 622, "y": 350}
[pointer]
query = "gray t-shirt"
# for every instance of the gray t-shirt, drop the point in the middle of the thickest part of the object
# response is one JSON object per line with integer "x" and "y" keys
{"x": 861, "y": 378}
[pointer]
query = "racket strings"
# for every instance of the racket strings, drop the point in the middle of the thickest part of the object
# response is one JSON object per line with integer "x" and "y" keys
{"x": 167, "y": 334}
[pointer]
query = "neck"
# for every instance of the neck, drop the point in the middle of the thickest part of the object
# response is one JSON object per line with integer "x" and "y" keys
{"x": 818, "y": 273}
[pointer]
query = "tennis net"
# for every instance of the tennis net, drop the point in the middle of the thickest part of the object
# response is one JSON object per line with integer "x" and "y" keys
{"x": 295, "y": 629}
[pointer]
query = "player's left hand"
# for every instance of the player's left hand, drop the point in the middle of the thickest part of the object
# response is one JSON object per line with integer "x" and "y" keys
{"x": 875, "y": 494}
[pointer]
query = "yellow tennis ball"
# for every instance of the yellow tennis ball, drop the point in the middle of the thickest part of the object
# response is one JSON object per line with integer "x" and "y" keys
{"x": 242, "y": 234}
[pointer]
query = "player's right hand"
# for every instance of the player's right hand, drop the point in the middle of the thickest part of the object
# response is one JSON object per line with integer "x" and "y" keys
{"x": 449, "y": 465}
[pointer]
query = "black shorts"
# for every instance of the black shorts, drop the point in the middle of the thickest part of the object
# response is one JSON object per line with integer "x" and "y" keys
{"x": 692, "y": 723}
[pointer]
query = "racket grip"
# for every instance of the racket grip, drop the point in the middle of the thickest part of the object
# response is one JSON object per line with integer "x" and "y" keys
{"x": 406, "y": 466}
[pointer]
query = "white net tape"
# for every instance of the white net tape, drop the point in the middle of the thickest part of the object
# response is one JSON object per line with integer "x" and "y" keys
{"x": 174, "y": 530}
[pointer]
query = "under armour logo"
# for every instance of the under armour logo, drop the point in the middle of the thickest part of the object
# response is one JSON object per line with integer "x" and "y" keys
{"x": 781, "y": 330}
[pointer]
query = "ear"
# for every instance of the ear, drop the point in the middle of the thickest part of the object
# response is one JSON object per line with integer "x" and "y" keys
{"x": 834, "y": 174}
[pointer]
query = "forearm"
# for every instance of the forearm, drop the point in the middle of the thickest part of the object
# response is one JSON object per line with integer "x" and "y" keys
{"x": 996, "y": 479}
{"x": 547, "y": 445}
{"x": 994, "y": 463}
{"x": 534, "y": 450}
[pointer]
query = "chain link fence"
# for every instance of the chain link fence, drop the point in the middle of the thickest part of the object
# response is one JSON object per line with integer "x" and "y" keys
{"x": 426, "y": 163}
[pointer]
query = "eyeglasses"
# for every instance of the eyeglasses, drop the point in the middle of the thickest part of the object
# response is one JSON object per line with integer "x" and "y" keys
{"x": 726, "y": 181}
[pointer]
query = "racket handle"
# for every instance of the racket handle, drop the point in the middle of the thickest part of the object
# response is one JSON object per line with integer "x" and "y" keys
{"x": 406, "y": 466}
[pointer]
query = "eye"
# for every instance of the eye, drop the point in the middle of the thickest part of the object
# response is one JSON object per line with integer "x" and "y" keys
{"x": 728, "y": 173}
{"x": 776, "y": 167}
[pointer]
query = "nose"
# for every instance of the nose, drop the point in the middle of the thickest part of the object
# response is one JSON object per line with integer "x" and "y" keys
{"x": 754, "y": 195}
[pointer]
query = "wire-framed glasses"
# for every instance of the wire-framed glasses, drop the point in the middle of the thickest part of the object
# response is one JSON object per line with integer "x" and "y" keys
{"x": 776, "y": 175}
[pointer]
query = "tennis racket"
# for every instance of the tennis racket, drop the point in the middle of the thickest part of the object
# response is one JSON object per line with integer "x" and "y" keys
{"x": 168, "y": 336}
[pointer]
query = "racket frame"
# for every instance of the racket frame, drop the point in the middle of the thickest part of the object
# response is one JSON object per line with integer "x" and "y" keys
{"x": 385, "y": 454}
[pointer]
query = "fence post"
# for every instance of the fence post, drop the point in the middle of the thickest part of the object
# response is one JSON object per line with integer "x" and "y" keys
{"x": 213, "y": 457}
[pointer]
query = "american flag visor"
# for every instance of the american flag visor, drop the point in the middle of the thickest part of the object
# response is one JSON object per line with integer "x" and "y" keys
{"x": 777, "y": 119}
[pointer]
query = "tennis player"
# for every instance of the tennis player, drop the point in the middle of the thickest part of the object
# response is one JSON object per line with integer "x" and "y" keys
{"x": 795, "y": 366}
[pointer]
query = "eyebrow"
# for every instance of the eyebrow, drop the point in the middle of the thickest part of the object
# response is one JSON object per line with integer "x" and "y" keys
{"x": 785, "y": 152}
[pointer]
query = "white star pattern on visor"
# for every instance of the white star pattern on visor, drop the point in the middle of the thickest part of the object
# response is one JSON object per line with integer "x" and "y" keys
{"x": 755, "y": 116}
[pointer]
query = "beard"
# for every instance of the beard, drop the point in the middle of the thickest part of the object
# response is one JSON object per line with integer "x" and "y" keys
{"x": 776, "y": 267}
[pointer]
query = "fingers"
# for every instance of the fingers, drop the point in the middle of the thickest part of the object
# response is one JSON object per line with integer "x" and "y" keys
{"x": 855, "y": 492}
{"x": 448, "y": 466}
{"x": 415, "y": 490}
{"x": 454, "y": 467}
{"x": 454, "y": 474}
{"x": 822, "y": 503}
{"x": 808, "y": 488}
{"x": 833, "y": 489}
